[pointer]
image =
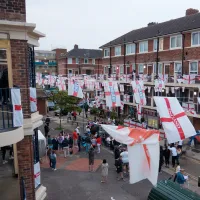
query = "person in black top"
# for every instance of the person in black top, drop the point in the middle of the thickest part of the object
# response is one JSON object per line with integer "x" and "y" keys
{"x": 65, "y": 145}
{"x": 166, "y": 154}
{"x": 46, "y": 130}
{"x": 47, "y": 121}
{"x": 119, "y": 166}
{"x": 55, "y": 143}
{"x": 161, "y": 158}
{"x": 116, "y": 153}
{"x": 79, "y": 142}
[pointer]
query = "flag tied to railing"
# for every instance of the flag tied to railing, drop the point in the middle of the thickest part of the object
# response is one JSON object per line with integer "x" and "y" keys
{"x": 159, "y": 85}
{"x": 112, "y": 94}
{"x": 17, "y": 107}
{"x": 189, "y": 79}
{"x": 139, "y": 92}
{"x": 74, "y": 89}
{"x": 139, "y": 111}
{"x": 143, "y": 151}
{"x": 175, "y": 122}
{"x": 33, "y": 99}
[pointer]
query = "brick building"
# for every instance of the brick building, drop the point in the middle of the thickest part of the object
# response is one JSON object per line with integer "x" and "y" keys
{"x": 80, "y": 61}
{"x": 17, "y": 41}
{"x": 169, "y": 50}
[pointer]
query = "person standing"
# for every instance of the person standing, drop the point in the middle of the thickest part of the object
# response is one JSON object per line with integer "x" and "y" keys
{"x": 60, "y": 141}
{"x": 98, "y": 144}
{"x": 65, "y": 145}
{"x": 46, "y": 130}
{"x": 79, "y": 142}
{"x": 74, "y": 115}
{"x": 125, "y": 160}
{"x": 180, "y": 144}
{"x": 55, "y": 143}
{"x": 75, "y": 138}
{"x": 91, "y": 158}
{"x": 77, "y": 130}
{"x": 104, "y": 171}
{"x": 49, "y": 141}
{"x": 49, "y": 152}
{"x": 119, "y": 166}
{"x": 53, "y": 160}
{"x": 94, "y": 142}
{"x": 47, "y": 120}
{"x": 166, "y": 154}
{"x": 161, "y": 159}
{"x": 3, "y": 151}
{"x": 174, "y": 154}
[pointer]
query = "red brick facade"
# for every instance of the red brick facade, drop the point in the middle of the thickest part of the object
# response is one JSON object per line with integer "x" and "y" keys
{"x": 13, "y": 10}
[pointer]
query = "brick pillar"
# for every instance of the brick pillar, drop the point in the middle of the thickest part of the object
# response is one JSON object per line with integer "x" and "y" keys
{"x": 26, "y": 170}
{"x": 13, "y": 10}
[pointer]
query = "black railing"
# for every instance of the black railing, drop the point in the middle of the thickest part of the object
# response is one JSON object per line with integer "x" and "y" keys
{"x": 6, "y": 109}
{"x": 31, "y": 66}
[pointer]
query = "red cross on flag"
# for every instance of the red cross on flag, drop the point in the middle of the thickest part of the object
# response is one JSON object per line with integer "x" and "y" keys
{"x": 139, "y": 111}
{"x": 143, "y": 151}
{"x": 17, "y": 107}
{"x": 163, "y": 77}
{"x": 112, "y": 94}
{"x": 139, "y": 92}
{"x": 33, "y": 99}
{"x": 189, "y": 107}
{"x": 159, "y": 85}
{"x": 74, "y": 89}
{"x": 189, "y": 79}
{"x": 176, "y": 124}
{"x": 127, "y": 122}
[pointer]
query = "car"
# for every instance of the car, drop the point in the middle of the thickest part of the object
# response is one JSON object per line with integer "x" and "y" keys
{"x": 57, "y": 112}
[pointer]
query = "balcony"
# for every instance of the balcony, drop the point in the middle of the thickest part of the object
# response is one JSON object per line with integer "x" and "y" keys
{"x": 8, "y": 133}
{"x": 46, "y": 63}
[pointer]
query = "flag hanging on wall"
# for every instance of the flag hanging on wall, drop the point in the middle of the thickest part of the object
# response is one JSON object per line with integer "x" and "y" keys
{"x": 17, "y": 107}
{"x": 175, "y": 122}
{"x": 143, "y": 151}
{"x": 33, "y": 99}
{"x": 74, "y": 89}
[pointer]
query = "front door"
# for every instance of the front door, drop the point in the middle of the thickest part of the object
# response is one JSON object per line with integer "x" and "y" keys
{"x": 150, "y": 70}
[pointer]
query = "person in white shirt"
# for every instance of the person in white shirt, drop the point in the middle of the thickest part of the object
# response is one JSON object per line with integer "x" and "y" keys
{"x": 125, "y": 160}
{"x": 174, "y": 154}
{"x": 77, "y": 130}
{"x": 180, "y": 144}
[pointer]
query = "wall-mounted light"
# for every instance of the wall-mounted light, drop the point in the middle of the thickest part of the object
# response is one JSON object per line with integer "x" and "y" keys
{"x": 144, "y": 66}
{"x": 163, "y": 90}
{"x": 195, "y": 93}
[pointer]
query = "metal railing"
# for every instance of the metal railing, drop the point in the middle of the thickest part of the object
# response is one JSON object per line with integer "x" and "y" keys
{"x": 6, "y": 109}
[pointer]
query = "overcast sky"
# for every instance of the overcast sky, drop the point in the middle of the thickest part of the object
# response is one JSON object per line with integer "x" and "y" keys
{"x": 92, "y": 23}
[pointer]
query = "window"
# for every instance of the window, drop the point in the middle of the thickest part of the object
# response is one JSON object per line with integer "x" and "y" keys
{"x": 195, "y": 38}
{"x": 160, "y": 44}
{"x": 114, "y": 69}
{"x": 77, "y": 60}
{"x": 178, "y": 68}
{"x": 93, "y": 61}
{"x": 122, "y": 69}
{"x": 69, "y": 71}
{"x": 118, "y": 51}
{"x": 69, "y": 60}
{"x": 85, "y": 60}
{"x": 105, "y": 70}
{"x": 176, "y": 41}
{"x": 160, "y": 68}
{"x": 141, "y": 68}
{"x": 194, "y": 68}
{"x": 143, "y": 47}
{"x": 130, "y": 49}
{"x": 106, "y": 52}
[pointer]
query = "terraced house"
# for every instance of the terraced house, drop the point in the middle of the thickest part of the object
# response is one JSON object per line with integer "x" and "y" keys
{"x": 169, "y": 50}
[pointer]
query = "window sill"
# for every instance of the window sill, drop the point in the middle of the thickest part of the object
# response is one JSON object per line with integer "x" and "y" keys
{"x": 143, "y": 52}
{"x": 176, "y": 48}
{"x": 196, "y": 45}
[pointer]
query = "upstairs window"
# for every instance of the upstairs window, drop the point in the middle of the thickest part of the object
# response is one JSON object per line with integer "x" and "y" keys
{"x": 69, "y": 60}
{"x": 85, "y": 60}
{"x": 122, "y": 69}
{"x": 140, "y": 68}
{"x": 176, "y": 42}
{"x": 113, "y": 69}
{"x": 106, "y": 52}
{"x": 195, "y": 39}
{"x": 178, "y": 68}
{"x": 130, "y": 49}
{"x": 118, "y": 51}
{"x": 193, "y": 67}
{"x": 77, "y": 60}
{"x": 161, "y": 40}
{"x": 143, "y": 47}
{"x": 93, "y": 61}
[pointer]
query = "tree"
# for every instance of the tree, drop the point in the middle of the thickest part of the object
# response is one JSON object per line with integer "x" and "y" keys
{"x": 64, "y": 102}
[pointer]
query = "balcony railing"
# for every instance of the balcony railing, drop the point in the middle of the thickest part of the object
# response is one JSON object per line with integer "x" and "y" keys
{"x": 6, "y": 109}
{"x": 46, "y": 63}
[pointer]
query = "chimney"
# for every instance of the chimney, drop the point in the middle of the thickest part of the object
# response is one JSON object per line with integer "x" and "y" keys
{"x": 151, "y": 23}
{"x": 191, "y": 11}
{"x": 75, "y": 46}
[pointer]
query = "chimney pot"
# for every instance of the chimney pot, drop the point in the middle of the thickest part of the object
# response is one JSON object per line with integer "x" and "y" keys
{"x": 191, "y": 11}
{"x": 75, "y": 46}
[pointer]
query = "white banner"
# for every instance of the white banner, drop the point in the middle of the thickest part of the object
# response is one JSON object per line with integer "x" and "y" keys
{"x": 175, "y": 122}
{"x": 17, "y": 107}
{"x": 33, "y": 99}
{"x": 37, "y": 174}
{"x": 74, "y": 89}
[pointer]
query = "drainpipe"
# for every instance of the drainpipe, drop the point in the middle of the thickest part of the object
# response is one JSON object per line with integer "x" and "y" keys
{"x": 110, "y": 69}
{"x": 125, "y": 56}
{"x": 136, "y": 44}
{"x": 157, "y": 54}
{"x": 183, "y": 51}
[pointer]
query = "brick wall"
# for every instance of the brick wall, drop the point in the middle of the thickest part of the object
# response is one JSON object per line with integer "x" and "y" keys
{"x": 13, "y": 10}
{"x": 19, "y": 54}
{"x": 25, "y": 162}
{"x": 62, "y": 66}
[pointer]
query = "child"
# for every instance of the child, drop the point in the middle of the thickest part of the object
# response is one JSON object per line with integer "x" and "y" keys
{"x": 104, "y": 171}
{"x": 53, "y": 160}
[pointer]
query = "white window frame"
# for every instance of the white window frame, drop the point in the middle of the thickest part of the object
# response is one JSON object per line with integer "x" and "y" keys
{"x": 131, "y": 46}
{"x": 114, "y": 69}
{"x": 108, "y": 50}
{"x": 77, "y": 60}
{"x": 161, "y": 42}
{"x": 87, "y": 61}
{"x": 175, "y": 72}
{"x": 176, "y": 37}
{"x": 139, "y": 65}
{"x": 121, "y": 69}
{"x": 120, "y": 51}
{"x": 194, "y": 72}
{"x": 69, "y": 59}
{"x": 195, "y": 45}
{"x": 143, "y": 43}
{"x": 93, "y": 61}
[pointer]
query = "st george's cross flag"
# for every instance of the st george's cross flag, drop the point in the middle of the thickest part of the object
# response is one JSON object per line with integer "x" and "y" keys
{"x": 74, "y": 89}
{"x": 33, "y": 99}
{"x": 143, "y": 151}
{"x": 17, "y": 107}
{"x": 175, "y": 122}
{"x": 139, "y": 92}
{"x": 112, "y": 94}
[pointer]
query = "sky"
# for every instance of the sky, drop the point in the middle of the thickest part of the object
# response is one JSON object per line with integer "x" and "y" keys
{"x": 92, "y": 23}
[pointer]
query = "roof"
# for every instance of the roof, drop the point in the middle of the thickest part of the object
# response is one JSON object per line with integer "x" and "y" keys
{"x": 87, "y": 53}
{"x": 44, "y": 51}
{"x": 165, "y": 28}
